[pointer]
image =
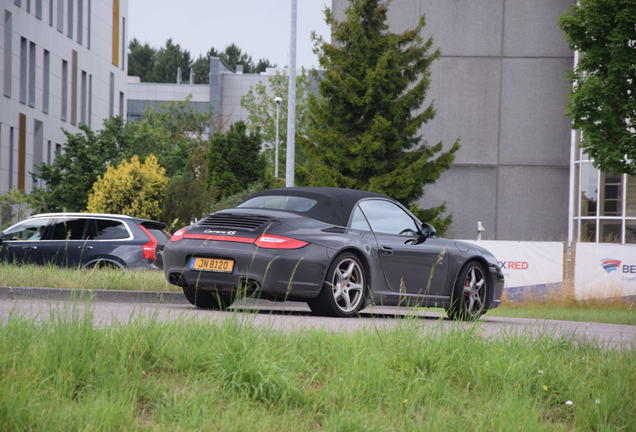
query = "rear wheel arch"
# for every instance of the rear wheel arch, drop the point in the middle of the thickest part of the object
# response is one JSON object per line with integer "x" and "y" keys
{"x": 363, "y": 259}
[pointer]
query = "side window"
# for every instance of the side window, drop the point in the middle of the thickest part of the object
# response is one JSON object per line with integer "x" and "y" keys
{"x": 66, "y": 229}
{"x": 385, "y": 217}
{"x": 358, "y": 221}
{"x": 109, "y": 230}
{"x": 31, "y": 229}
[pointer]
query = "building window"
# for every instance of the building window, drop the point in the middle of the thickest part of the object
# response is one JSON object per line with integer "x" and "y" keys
{"x": 32, "y": 74}
{"x": 605, "y": 205}
{"x": 121, "y": 104}
{"x": 74, "y": 79}
{"x": 28, "y": 6}
{"x": 48, "y": 152}
{"x": 23, "y": 70}
{"x": 38, "y": 9}
{"x": 60, "y": 16}
{"x": 69, "y": 19}
{"x": 38, "y": 145}
{"x": 83, "y": 100}
{"x": 51, "y": 13}
{"x": 21, "y": 151}
{"x": 46, "y": 77}
{"x": 90, "y": 99}
{"x": 18, "y": 3}
{"x": 64, "y": 89}
{"x": 123, "y": 43}
{"x": 8, "y": 53}
{"x": 80, "y": 21}
{"x": 111, "y": 96}
{"x": 88, "y": 22}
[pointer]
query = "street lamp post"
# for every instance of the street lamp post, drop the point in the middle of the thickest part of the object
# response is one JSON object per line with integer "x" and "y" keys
{"x": 291, "y": 101}
{"x": 278, "y": 101}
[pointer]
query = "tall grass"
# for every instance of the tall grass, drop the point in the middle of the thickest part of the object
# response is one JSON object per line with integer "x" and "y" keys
{"x": 67, "y": 374}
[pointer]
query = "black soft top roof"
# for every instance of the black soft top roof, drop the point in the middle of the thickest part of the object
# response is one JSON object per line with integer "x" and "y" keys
{"x": 333, "y": 206}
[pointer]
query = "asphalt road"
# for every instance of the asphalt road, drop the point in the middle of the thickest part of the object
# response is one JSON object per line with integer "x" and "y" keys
{"x": 293, "y": 316}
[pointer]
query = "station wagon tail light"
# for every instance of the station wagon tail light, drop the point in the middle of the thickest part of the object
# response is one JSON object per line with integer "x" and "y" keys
{"x": 276, "y": 242}
{"x": 149, "y": 249}
{"x": 178, "y": 234}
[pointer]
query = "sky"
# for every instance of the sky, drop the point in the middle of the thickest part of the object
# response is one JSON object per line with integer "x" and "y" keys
{"x": 260, "y": 28}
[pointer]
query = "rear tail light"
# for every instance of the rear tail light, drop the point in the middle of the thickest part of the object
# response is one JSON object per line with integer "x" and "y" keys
{"x": 178, "y": 234}
{"x": 276, "y": 242}
{"x": 149, "y": 249}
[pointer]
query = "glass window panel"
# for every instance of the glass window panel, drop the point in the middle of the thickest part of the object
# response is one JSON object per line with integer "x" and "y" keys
{"x": 67, "y": 229}
{"x": 610, "y": 231}
{"x": 110, "y": 230}
{"x": 611, "y": 194}
{"x": 31, "y": 229}
{"x": 588, "y": 189}
{"x": 358, "y": 221}
{"x": 630, "y": 232}
{"x": 386, "y": 217}
{"x": 630, "y": 207}
{"x": 588, "y": 231}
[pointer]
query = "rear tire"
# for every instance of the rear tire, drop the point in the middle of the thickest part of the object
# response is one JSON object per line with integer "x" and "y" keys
{"x": 468, "y": 301}
{"x": 205, "y": 299}
{"x": 344, "y": 290}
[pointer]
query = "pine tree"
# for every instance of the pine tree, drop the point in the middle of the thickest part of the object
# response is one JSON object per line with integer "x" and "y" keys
{"x": 364, "y": 123}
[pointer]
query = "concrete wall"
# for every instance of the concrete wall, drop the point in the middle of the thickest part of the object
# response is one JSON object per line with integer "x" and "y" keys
{"x": 501, "y": 87}
{"x": 94, "y": 50}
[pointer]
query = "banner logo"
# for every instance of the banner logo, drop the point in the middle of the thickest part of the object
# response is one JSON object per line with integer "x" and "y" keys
{"x": 610, "y": 264}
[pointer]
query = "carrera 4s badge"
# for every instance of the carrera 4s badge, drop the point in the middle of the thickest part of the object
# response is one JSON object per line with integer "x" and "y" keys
{"x": 217, "y": 232}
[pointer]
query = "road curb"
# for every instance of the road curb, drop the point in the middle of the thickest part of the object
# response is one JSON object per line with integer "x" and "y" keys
{"x": 116, "y": 296}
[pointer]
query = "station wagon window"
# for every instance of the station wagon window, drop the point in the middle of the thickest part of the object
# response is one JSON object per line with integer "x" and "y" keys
{"x": 280, "y": 202}
{"x": 32, "y": 229}
{"x": 66, "y": 229}
{"x": 104, "y": 229}
{"x": 387, "y": 218}
{"x": 358, "y": 221}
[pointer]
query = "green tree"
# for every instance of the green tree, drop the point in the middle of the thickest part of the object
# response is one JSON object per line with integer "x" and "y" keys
{"x": 168, "y": 59}
{"x": 132, "y": 188}
{"x": 259, "y": 102}
{"x": 603, "y": 101}
{"x": 363, "y": 125}
{"x": 141, "y": 60}
{"x": 85, "y": 157}
{"x": 234, "y": 161}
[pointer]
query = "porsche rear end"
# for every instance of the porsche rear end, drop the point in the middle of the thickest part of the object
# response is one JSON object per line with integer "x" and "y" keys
{"x": 230, "y": 251}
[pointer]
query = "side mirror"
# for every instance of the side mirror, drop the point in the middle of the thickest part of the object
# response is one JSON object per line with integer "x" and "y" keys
{"x": 426, "y": 231}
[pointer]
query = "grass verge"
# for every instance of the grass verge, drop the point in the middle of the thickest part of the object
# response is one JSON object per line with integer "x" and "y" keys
{"x": 611, "y": 313}
{"x": 67, "y": 374}
{"x": 50, "y": 276}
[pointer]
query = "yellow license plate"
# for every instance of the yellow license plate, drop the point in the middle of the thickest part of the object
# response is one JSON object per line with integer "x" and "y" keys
{"x": 212, "y": 264}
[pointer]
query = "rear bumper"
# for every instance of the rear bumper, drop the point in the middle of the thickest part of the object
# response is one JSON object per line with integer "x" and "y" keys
{"x": 272, "y": 273}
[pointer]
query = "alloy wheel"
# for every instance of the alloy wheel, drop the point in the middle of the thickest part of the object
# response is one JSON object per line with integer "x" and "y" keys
{"x": 348, "y": 285}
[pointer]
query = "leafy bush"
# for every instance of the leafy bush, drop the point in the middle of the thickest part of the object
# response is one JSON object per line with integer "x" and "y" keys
{"x": 133, "y": 188}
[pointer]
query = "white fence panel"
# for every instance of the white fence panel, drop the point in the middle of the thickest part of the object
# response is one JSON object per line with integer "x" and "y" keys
{"x": 604, "y": 271}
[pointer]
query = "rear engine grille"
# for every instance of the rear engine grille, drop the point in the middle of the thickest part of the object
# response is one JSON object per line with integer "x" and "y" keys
{"x": 234, "y": 222}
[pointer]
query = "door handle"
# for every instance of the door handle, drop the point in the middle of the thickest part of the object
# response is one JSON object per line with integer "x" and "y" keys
{"x": 29, "y": 248}
{"x": 385, "y": 250}
{"x": 85, "y": 247}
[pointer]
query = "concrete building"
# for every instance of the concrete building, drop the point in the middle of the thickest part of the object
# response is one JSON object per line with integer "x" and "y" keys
{"x": 63, "y": 63}
{"x": 221, "y": 97}
{"x": 501, "y": 86}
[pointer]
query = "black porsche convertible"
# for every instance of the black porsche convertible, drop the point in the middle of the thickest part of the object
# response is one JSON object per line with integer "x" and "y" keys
{"x": 337, "y": 249}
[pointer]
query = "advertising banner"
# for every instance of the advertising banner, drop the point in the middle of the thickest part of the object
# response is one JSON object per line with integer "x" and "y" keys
{"x": 526, "y": 263}
{"x": 604, "y": 271}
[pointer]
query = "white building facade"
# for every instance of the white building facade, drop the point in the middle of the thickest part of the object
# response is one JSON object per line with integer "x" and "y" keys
{"x": 62, "y": 64}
